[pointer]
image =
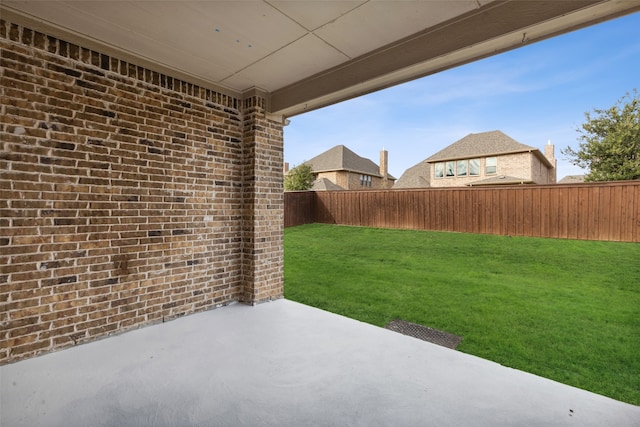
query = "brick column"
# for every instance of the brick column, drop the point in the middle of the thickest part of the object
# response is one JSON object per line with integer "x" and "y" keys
{"x": 263, "y": 204}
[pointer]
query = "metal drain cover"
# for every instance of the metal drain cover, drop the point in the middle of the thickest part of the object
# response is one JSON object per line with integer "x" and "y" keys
{"x": 424, "y": 333}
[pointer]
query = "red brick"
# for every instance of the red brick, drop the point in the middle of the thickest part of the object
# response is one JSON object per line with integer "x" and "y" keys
{"x": 110, "y": 182}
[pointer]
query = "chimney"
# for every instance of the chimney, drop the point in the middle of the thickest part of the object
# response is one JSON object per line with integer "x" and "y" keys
{"x": 384, "y": 158}
{"x": 549, "y": 150}
{"x": 286, "y": 167}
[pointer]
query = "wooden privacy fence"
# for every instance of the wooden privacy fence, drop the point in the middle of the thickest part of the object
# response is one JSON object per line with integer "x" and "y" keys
{"x": 594, "y": 211}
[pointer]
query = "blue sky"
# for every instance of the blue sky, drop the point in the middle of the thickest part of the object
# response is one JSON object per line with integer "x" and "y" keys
{"x": 537, "y": 93}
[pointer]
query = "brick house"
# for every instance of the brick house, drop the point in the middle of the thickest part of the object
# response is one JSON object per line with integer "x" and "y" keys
{"x": 488, "y": 158}
{"x": 141, "y": 163}
{"x": 349, "y": 171}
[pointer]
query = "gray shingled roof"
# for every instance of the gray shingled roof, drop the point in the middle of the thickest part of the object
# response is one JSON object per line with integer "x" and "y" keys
{"x": 324, "y": 184}
{"x": 417, "y": 176}
{"x": 485, "y": 144}
{"x": 500, "y": 180}
{"x": 572, "y": 179}
{"x": 340, "y": 158}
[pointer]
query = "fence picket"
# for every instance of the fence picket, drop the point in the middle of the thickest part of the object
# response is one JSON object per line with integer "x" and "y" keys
{"x": 589, "y": 211}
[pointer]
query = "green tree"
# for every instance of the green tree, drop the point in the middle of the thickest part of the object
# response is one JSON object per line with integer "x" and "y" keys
{"x": 610, "y": 142}
{"x": 300, "y": 178}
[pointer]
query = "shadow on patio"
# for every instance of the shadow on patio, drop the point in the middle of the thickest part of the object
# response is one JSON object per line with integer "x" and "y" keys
{"x": 285, "y": 364}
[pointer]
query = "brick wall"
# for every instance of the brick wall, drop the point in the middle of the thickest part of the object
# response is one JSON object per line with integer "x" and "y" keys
{"x": 338, "y": 178}
{"x": 127, "y": 196}
{"x": 264, "y": 205}
{"x": 520, "y": 165}
{"x": 351, "y": 180}
{"x": 464, "y": 181}
{"x": 540, "y": 173}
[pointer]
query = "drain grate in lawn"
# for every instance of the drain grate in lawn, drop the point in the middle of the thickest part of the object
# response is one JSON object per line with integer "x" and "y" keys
{"x": 424, "y": 333}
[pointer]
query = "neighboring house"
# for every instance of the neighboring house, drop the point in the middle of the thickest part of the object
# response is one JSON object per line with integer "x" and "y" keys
{"x": 348, "y": 171}
{"x": 488, "y": 158}
{"x": 572, "y": 179}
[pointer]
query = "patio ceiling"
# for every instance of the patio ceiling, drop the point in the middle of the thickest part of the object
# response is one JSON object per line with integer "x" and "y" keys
{"x": 307, "y": 54}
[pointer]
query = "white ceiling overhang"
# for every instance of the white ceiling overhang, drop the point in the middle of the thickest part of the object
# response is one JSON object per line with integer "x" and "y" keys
{"x": 306, "y": 54}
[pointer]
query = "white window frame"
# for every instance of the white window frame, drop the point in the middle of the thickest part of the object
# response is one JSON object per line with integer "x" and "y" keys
{"x": 491, "y": 166}
{"x": 450, "y": 169}
{"x": 438, "y": 170}
{"x": 465, "y": 168}
{"x": 475, "y": 162}
{"x": 365, "y": 180}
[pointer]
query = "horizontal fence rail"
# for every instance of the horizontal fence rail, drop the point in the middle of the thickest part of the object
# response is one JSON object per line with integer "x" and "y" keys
{"x": 591, "y": 211}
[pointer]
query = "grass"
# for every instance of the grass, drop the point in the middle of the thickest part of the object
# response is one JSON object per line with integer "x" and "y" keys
{"x": 563, "y": 309}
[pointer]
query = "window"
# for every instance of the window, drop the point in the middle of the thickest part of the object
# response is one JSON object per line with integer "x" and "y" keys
{"x": 450, "y": 168}
{"x": 474, "y": 167}
{"x": 491, "y": 166}
{"x": 439, "y": 170}
{"x": 462, "y": 168}
{"x": 365, "y": 181}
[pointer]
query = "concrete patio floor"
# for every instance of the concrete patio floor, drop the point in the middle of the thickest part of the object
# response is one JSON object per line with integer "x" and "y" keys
{"x": 285, "y": 364}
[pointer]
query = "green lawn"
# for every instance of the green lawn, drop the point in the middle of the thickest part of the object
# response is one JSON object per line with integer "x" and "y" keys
{"x": 563, "y": 309}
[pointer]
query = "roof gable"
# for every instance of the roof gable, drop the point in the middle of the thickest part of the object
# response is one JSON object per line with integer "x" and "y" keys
{"x": 417, "y": 176}
{"x": 340, "y": 158}
{"x": 324, "y": 184}
{"x": 572, "y": 179}
{"x": 501, "y": 180}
